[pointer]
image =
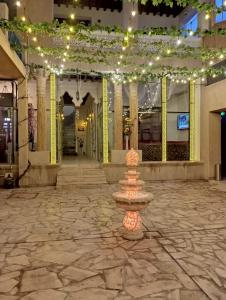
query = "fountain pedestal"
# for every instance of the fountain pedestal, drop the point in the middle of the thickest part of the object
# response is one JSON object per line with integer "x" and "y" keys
{"x": 132, "y": 198}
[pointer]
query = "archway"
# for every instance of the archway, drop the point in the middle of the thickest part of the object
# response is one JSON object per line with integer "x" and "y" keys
{"x": 68, "y": 126}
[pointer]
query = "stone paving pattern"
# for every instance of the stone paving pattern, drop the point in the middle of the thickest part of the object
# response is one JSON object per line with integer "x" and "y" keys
{"x": 66, "y": 245}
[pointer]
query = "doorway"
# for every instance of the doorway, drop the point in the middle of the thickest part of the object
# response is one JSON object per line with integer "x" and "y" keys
{"x": 223, "y": 144}
{"x": 69, "y": 146}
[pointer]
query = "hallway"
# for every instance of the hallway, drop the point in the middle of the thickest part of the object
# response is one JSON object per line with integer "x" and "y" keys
{"x": 65, "y": 245}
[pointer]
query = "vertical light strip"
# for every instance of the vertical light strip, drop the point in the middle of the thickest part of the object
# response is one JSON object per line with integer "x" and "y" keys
{"x": 164, "y": 120}
{"x": 192, "y": 119}
{"x": 105, "y": 121}
{"x": 53, "y": 118}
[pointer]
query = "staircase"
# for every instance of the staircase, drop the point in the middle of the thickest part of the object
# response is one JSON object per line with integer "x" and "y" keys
{"x": 80, "y": 176}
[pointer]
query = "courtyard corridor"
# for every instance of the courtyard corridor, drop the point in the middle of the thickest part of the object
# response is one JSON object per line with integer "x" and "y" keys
{"x": 65, "y": 245}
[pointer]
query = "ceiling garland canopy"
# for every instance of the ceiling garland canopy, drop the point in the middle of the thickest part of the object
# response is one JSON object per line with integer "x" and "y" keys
{"x": 141, "y": 54}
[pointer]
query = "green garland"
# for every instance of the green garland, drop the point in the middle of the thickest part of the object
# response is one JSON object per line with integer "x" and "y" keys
{"x": 82, "y": 32}
{"x": 95, "y": 55}
{"x": 204, "y": 6}
{"x": 169, "y": 72}
{"x": 101, "y": 56}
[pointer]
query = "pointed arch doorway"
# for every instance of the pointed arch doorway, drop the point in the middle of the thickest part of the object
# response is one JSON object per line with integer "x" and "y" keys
{"x": 68, "y": 126}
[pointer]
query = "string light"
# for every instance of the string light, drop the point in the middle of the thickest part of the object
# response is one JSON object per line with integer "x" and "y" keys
{"x": 72, "y": 16}
{"x": 207, "y": 16}
{"x": 191, "y": 33}
{"x": 18, "y": 3}
{"x": 34, "y": 39}
{"x": 157, "y": 58}
{"x": 71, "y": 29}
{"x": 133, "y": 13}
{"x": 123, "y": 48}
{"x": 221, "y": 56}
{"x": 29, "y": 30}
{"x": 129, "y": 29}
{"x": 211, "y": 63}
{"x": 168, "y": 51}
{"x": 179, "y": 42}
{"x": 68, "y": 46}
{"x": 150, "y": 63}
{"x": 23, "y": 18}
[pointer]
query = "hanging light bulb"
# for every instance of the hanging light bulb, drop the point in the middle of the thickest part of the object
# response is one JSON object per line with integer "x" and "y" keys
{"x": 68, "y": 46}
{"x": 129, "y": 29}
{"x": 23, "y": 18}
{"x": 150, "y": 63}
{"x": 34, "y": 39}
{"x": 157, "y": 58}
{"x": 133, "y": 13}
{"x": 123, "y": 48}
{"x": 121, "y": 56}
{"x": 211, "y": 63}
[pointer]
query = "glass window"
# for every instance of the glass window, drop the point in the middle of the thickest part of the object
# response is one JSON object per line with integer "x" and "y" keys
{"x": 7, "y": 124}
{"x": 221, "y": 16}
{"x": 177, "y": 121}
{"x": 150, "y": 121}
{"x": 192, "y": 24}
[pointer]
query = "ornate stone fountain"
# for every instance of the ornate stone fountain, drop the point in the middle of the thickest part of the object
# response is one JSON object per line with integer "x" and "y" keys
{"x": 132, "y": 198}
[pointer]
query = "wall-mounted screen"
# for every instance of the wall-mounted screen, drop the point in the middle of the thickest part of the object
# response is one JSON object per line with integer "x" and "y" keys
{"x": 183, "y": 121}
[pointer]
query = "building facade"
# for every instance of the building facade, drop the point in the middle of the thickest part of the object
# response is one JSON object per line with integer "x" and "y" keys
{"x": 175, "y": 124}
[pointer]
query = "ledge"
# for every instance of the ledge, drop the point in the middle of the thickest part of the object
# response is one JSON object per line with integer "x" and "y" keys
{"x": 158, "y": 164}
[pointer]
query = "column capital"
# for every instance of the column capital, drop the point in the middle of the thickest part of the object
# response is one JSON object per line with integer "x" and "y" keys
{"x": 41, "y": 73}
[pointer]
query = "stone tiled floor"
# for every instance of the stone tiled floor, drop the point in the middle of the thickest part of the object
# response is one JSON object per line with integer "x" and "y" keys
{"x": 65, "y": 245}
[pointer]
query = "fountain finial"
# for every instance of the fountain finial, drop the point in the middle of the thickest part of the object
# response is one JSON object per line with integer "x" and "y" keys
{"x": 132, "y": 158}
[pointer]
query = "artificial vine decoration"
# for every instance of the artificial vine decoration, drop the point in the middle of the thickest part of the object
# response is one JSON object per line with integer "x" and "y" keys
{"x": 82, "y": 32}
{"x": 200, "y": 6}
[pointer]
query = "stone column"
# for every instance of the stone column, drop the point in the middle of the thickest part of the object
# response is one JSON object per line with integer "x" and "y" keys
{"x": 118, "y": 128}
{"x": 41, "y": 78}
{"x": 128, "y": 19}
{"x": 23, "y": 143}
{"x": 133, "y": 104}
{"x": 203, "y": 23}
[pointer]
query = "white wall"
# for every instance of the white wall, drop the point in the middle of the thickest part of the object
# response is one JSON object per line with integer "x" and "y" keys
{"x": 156, "y": 20}
{"x": 113, "y": 18}
{"x": 107, "y": 17}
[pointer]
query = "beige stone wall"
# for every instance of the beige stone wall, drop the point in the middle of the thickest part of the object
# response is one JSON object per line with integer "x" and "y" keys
{"x": 37, "y": 11}
{"x": 150, "y": 171}
{"x": 212, "y": 102}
